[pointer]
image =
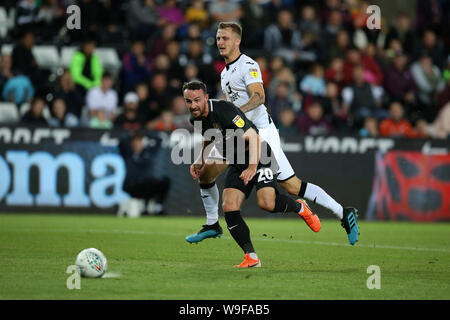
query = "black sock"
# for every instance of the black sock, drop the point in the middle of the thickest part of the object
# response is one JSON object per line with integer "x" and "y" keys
{"x": 239, "y": 230}
{"x": 302, "y": 191}
{"x": 285, "y": 204}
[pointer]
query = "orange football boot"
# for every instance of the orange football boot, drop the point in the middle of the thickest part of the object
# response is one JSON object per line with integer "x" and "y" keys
{"x": 249, "y": 262}
{"x": 312, "y": 220}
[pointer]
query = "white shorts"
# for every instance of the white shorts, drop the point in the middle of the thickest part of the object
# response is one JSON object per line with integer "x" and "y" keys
{"x": 272, "y": 137}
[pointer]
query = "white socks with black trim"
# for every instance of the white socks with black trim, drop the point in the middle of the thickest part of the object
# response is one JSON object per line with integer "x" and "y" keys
{"x": 210, "y": 198}
{"x": 317, "y": 195}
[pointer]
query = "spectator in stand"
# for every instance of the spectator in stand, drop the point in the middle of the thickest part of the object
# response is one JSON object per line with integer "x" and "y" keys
{"x": 5, "y": 70}
{"x": 444, "y": 95}
{"x": 27, "y": 14}
{"x": 396, "y": 125}
{"x": 86, "y": 68}
{"x": 159, "y": 94}
{"x": 180, "y": 114}
{"x": 372, "y": 72}
{"x": 23, "y": 61}
{"x": 103, "y": 98}
{"x": 109, "y": 19}
{"x": 140, "y": 180}
{"x": 362, "y": 99}
{"x": 73, "y": 99}
{"x": 129, "y": 119}
{"x": 100, "y": 120}
{"x": 171, "y": 13}
{"x": 175, "y": 72}
{"x": 421, "y": 129}
{"x": 310, "y": 51}
{"x": 136, "y": 65}
{"x": 18, "y": 89}
{"x": 146, "y": 110}
{"x": 428, "y": 80}
{"x": 203, "y": 61}
{"x": 159, "y": 45}
{"x": 441, "y": 126}
{"x": 370, "y": 128}
{"x": 265, "y": 72}
{"x": 165, "y": 122}
{"x": 278, "y": 101}
{"x": 398, "y": 81}
{"x": 223, "y": 10}
{"x": 34, "y": 116}
{"x": 431, "y": 47}
{"x": 197, "y": 14}
{"x": 60, "y": 116}
{"x": 283, "y": 75}
{"x": 335, "y": 72}
{"x": 314, "y": 83}
{"x": 308, "y": 21}
{"x": 339, "y": 47}
{"x": 332, "y": 26}
{"x": 143, "y": 19}
{"x": 313, "y": 122}
{"x": 401, "y": 31}
{"x": 283, "y": 39}
{"x": 254, "y": 21}
{"x": 332, "y": 108}
{"x": 286, "y": 124}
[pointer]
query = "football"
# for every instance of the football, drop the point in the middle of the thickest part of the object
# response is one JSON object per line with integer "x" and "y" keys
{"x": 92, "y": 263}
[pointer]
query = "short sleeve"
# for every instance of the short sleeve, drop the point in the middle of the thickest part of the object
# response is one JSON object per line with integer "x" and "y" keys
{"x": 251, "y": 72}
{"x": 232, "y": 117}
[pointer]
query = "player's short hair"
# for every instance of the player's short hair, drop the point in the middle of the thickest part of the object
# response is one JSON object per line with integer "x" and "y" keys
{"x": 194, "y": 85}
{"x": 235, "y": 27}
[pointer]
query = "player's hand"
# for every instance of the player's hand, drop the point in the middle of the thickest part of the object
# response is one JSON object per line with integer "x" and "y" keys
{"x": 196, "y": 170}
{"x": 247, "y": 175}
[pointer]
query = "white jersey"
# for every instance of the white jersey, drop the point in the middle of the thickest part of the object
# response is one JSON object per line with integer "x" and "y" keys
{"x": 235, "y": 78}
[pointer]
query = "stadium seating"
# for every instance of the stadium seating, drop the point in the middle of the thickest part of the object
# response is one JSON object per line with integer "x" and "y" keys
{"x": 7, "y": 49}
{"x": 7, "y": 22}
{"x": 47, "y": 57}
{"x": 8, "y": 113}
{"x": 26, "y": 106}
{"x": 109, "y": 58}
{"x": 66, "y": 56}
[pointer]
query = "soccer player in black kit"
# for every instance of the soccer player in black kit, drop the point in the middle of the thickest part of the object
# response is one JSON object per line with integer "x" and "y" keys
{"x": 222, "y": 122}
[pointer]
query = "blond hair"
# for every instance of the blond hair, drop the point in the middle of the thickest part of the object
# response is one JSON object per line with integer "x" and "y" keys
{"x": 235, "y": 27}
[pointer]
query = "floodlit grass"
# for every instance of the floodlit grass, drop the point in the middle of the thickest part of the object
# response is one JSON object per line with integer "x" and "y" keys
{"x": 148, "y": 258}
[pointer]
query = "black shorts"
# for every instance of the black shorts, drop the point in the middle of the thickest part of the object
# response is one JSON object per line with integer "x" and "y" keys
{"x": 264, "y": 177}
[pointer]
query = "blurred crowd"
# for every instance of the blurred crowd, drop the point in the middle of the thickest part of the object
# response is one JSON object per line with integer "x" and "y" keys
{"x": 324, "y": 71}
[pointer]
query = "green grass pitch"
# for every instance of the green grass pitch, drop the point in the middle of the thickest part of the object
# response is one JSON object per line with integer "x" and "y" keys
{"x": 148, "y": 258}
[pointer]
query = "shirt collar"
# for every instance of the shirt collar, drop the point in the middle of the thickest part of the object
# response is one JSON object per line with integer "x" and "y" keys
{"x": 229, "y": 64}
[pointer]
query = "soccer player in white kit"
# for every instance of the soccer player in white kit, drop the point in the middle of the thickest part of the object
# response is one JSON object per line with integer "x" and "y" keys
{"x": 242, "y": 85}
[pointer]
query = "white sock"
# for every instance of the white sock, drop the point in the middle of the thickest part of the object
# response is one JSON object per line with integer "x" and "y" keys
{"x": 210, "y": 198}
{"x": 318, "y": 195}
{"x": 253, "y": 255}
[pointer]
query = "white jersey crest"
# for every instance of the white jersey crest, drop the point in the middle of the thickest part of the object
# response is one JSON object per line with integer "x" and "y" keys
{"x": 235, "y": 78}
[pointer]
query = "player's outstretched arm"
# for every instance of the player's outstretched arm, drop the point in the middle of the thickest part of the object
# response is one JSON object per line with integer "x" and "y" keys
{"x": 254, "y": 145}
{"x": 257, "y": 97}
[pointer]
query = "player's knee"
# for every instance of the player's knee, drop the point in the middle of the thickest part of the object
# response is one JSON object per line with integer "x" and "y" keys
{"x": 228, "y": 206}
{"x": 266, "y": 203}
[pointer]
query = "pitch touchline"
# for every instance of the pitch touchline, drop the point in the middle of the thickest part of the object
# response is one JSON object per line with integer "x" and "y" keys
{"x": 257, "y": 239}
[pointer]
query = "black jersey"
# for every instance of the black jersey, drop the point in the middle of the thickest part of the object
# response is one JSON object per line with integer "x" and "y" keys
{"x": 224, "y": 126}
